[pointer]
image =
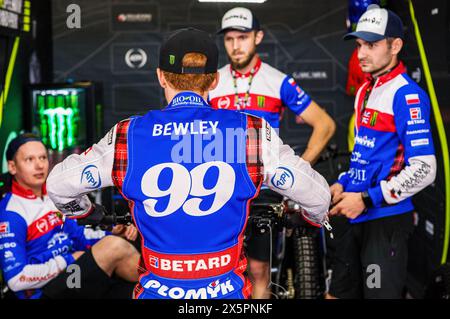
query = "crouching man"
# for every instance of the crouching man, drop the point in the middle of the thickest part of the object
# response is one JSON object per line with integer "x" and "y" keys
{"x": 37, "y": 244}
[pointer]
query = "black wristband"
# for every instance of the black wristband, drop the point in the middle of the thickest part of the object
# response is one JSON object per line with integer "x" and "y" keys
{"x": 366, "y": 199}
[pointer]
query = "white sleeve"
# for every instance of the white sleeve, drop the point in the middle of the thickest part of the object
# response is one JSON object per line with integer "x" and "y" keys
{"x": 291, "y": 176}
{"x": 70, "y": 180}
{"x": 420, "y": 173}
{"x": 37, "y": 276}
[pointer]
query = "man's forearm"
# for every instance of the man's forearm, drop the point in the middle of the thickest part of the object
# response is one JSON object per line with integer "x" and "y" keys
{"x": 292, "y": 176}
{"x": 37, "y": 276}
{"x": 317, "y": 143}
{"x": 323, "y": 129}
{"x": 80, "y": 174}
{"x": 420, "y": 173}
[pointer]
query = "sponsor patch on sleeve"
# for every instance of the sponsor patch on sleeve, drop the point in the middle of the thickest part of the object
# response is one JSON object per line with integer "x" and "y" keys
{"x": 4, "y": 227}
{"x": 90, "y": 177}
{"x": 283, "y": 178}
{"x": 268, "y": 132}
{"x": 415, "y": 113}
{"x": 416, "y": 116}
{"x": 72, "y": 207}
{"x": 420, "y": 142}
{"x": 110, "y": 136}
{"x": 412, "y": 99}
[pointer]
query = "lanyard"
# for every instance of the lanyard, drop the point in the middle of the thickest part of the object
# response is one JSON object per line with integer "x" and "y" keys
{"x": 369, "y": 89}
{"x": 372, "y": 84}
{"x": 237, "y": 101}
{"x": 366, "y": 96}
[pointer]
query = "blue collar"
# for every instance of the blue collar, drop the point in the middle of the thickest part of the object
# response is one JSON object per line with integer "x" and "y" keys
{"x": 187, "y": 99}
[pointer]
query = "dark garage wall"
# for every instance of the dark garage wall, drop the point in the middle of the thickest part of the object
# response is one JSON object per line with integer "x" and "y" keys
{"x": 301, "y": 37}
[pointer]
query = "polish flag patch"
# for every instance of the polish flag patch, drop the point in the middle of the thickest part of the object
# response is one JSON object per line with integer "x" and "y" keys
{"x": 294, "y": 84}
{"x": 412, "y": 99}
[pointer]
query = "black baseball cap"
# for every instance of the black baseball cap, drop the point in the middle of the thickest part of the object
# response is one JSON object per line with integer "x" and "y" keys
{"x": 240, "y": 19}
{"x": 184, "y": 41}
{"x": 377, "y": 24}
{"x": 17, "y": 142}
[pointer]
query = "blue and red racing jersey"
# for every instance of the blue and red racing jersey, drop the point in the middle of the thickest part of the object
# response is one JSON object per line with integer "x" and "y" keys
{"x": 35, "y": 243}
{"x": 393, "y": 155}
{"x": 189, "y": 173}
{"x": 269, "y": 93}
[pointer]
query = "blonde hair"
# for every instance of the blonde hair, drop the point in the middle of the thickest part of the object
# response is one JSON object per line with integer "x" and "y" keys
{"x": 191, "y": 82}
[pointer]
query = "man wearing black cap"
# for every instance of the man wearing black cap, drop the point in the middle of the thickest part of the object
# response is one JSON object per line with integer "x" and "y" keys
{"x": 247, "y": 84}
{"x": 392, "y": 160}
{"x": 189, "y": 173}
{"x": 250, "y": 85}
{"x": 37, "y": 244}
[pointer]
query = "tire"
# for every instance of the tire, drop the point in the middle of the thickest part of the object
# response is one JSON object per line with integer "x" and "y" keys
{"x": 308, "y": 280}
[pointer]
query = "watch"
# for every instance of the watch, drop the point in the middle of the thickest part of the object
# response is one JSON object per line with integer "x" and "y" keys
{"x": 366, "y": 199}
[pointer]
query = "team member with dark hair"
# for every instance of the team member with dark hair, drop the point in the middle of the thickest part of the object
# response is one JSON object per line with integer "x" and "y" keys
{"x": 37, "y": 244}
{"x": 392, "y": 160}
{"x": 249, "y": 85}
{"x": 190, "y": 198}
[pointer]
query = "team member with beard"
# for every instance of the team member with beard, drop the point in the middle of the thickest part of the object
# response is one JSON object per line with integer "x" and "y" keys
{"x": 252, "y": 86}
{"x": 191, "y": 209}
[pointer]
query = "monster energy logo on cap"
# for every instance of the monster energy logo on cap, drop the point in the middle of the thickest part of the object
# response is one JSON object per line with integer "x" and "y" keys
{"x": 184, "y": 41}
{"x": 373, "y": 120}
{"x": 261, "y": 101}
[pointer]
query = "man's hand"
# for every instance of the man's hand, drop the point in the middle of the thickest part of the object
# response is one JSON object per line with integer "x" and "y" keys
{"x": 336, "y": 191}
{"x": 351, "y": 205}
{"x": 128, "y": 232}
{"x": 77, "y": 254}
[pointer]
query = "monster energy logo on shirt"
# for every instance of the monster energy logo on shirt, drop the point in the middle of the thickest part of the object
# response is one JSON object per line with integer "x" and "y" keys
{"x": 171, "y": 59}
{"x": 373, "y": 120}
{"x": 261, "y": 101}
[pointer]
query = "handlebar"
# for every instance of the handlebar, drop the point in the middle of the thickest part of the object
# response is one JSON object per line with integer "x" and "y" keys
{"x": 100, "y": 217}
{"x": 114, "y": 219}
{"x": 285, "y": 214}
